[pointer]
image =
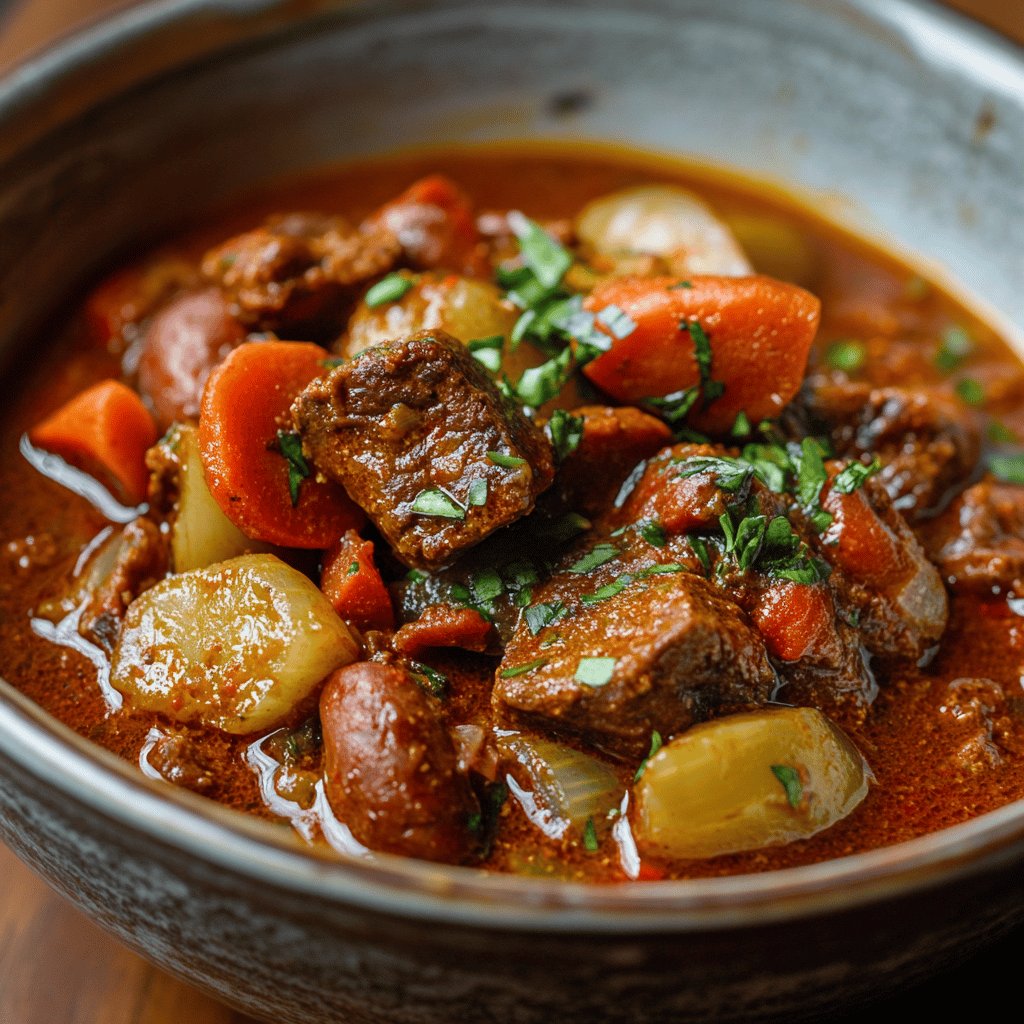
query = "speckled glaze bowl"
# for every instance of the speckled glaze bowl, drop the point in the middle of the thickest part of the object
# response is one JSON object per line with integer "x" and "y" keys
{"x": 905, "y": 122}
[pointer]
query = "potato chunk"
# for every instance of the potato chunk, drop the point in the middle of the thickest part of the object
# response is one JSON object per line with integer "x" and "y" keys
{"x": 240, "y": 646}
{"x": 747, "y": 781}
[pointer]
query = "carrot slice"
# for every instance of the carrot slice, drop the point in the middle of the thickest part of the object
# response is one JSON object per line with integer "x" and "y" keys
{"x": 443, "y": 626}
{"x": 353, "y": 584}
{"x": 244, "y": 410}
{"x": 792, "y": 617}
{"x": 107, "y": 429}
{"x": 759, "y": 330}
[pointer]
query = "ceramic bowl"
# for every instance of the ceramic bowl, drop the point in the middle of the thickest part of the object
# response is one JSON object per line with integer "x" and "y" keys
{"x": 904, "y": 121}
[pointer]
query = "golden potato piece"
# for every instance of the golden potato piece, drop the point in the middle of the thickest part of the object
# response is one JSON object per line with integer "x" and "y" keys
{"x": 240, "y": 645}
{"x": 747, "y": 781}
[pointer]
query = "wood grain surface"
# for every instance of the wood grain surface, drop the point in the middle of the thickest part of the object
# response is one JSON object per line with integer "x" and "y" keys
{"x": 56, "y": 967}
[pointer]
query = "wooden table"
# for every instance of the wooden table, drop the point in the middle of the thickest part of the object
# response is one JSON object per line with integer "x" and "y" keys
{"x": 58, "y": 968}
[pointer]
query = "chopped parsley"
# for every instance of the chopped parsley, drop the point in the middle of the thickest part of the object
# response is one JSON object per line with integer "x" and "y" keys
{"x": 617, "y": 586}
{"x": 675, "y": 407}
{"x": 506, "y": 461}
{"x": 565, "y": 432}
{"x": 430, "y": 679}
{"x": 597, "y": 556}
{"x": 540, "y": 384}
{"x": 731, "y": 475}
{"x": 741, "y": 425}
{"x": 595, "y": 672}
{"x": 436, "y": 502}
{"x": 655, "y": 747}
{"x": 520, "y": 670}
{"x": 353, "y": 568}
{"x": 1000, "y": 433}
{"x": 710, "y": 388}
{"x": 477, "y": 493}
{"x": 955, "y": 346}
{"x": 289, "y": 444}
{"x": 847, "y": 355}
{"x": 539, "y": 616}
{"x": 1008, "y": 468}
{"x": 680, "y": 284}
{"x": 654, "y": 533}
{"x": 970, "y": 391}
{"x": 590, "y": 843}
{"x": 388, "y": 289}
{"x": 854, "y": 475}
{"x": 789, "y": 779}
{"x": 700, "y": 549}
{"x": 486, "y": 586}
{"x": 415, "y": 576}
{"x": 811, "y": 474}
{"x": 617, "y": 321}
{"x": 487, "y": 351}
{"x": 547, "y": 260}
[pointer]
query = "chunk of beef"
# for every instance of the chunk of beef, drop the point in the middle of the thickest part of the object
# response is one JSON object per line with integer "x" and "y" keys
{"x": 434, "y": 223}
{"x": 613, "y": 442}
{"x": 883, "y": 575}
{"x": 819, "y": 655}
{"x": 928, "y": 444}
{"x": 131, "y": 564}
{"x": 675, "y": 650}
{"x": 179, "y": 758}
{"x": 978, "y": 542}
{"x": 296, "y": 273}
{"x": 391, "y": 770}
{"x": 407, "y": 429}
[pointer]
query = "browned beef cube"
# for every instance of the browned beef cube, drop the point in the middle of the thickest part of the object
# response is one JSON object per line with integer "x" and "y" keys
{"x": 978, "y": 542}
{"x": 928, "y": 445}
{"x": 420, "y": 437}
{"x": 659, "y": 654}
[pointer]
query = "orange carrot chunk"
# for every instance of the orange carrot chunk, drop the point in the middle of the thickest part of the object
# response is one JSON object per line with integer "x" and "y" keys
{"x": 252, "y": 460}
{"x": 794, "y": 617}
{"x": 758, "y": 331}
{"x": 105, "y": 430}
{"x": 441, "y": 625}
{"x": 353, "y": 584}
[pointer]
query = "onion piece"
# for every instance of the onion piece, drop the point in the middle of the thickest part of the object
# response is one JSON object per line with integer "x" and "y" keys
{"x": 750, "y": 780}
{"x": 241, "y": 646}
{"x": 557, "y": 786}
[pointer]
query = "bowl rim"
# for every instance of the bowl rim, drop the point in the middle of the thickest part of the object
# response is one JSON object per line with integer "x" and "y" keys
{"x": 257, "y": 850}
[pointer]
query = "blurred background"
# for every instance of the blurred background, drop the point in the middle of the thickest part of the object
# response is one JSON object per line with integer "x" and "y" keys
{"x": 25, "y": 25}
{"x": 58, "y": 968}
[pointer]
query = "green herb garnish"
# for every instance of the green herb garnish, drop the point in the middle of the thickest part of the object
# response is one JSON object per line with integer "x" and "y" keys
{"x": 430, "y": 679}
{"x": 289, "y": 444}
{"x": 487, "y": 351}
{"x": 506, "y": 461}
{"x": 565, "y": 432}
{"x": 519, "y": 670}
{"x": 955, "y": 346}
{"x": 710, "y": 388}
{"x": 1000, "y": 433}
{"x": 740, "y": 425}
{"x": 847, "y": 355}
{"x": 970, "y": 391}
{"x": 789, "y": 778}
{"x": 590, "y": 843}
{"x": 655, "y": 747}
{"x": 854, "y": 475}
{"x": 477, "y": 493}
{"x": 353, "y": 568}
{"x": 609, "y": 590}
{"x": 618, "y": 322}
{"x": 595, "y": 672}
{"x": 540, "y": 616}
{"x": 388, "y": 289}
{"x": 486, "y": 586}
{"x": 436, "y": 502}
{"x": 595, "y": 557}
{"x": 1008, "y": 468}
{"x": 541, "y": 253}
{"x": 654, "y": 533}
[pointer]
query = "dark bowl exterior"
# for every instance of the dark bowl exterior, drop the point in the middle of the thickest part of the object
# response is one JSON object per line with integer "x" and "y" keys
{"x": 118, "y": 134}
